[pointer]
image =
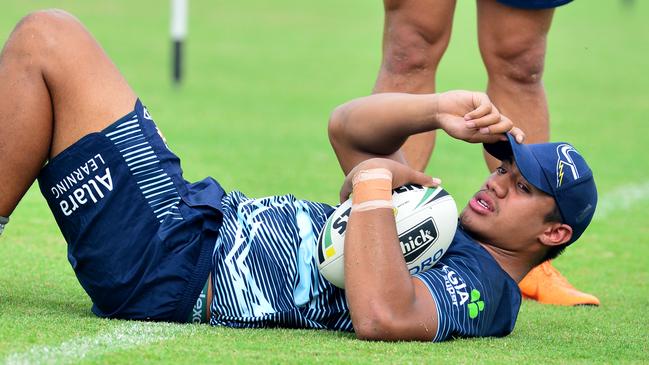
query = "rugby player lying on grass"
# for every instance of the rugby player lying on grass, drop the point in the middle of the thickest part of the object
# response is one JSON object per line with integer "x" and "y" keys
{"x": 146, "y": 244}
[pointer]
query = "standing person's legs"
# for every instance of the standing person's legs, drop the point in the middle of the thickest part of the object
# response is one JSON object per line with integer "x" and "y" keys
{"x": 56, "y": 86}
{"x": 415, "y": 36}
{"x": 513, "y": 44}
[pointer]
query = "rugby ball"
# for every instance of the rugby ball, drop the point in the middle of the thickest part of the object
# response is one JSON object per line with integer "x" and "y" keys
{"x": 426, "y": 219}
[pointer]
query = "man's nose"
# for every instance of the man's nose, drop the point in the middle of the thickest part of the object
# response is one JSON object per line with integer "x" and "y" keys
{"x": 497, "y": 184}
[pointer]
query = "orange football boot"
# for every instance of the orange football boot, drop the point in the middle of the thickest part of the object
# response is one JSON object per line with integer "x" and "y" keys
{"x": 546, "y": 285}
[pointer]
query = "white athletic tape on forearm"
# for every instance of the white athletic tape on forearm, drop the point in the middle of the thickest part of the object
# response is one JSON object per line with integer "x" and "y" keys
{"x": 372, "y": 204}
{"x": 372, "y": 174}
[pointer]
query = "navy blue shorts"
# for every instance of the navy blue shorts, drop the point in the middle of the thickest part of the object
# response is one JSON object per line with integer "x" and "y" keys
{"x": 534, "y": 4}
{"x": 140, "y": 238}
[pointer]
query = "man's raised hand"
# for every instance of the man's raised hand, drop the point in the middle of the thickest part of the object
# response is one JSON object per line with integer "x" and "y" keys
{"x": 472, "y": 117}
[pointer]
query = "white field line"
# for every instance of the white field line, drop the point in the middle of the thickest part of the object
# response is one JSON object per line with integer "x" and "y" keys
{"x": 621, "y": 199}
{"x": 124, "y": 336}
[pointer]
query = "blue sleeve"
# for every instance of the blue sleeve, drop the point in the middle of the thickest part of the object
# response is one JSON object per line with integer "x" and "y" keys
{"x": 472, "y": 300}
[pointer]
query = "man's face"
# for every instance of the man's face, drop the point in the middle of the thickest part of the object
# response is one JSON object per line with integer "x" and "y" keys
{"x": 508, "y": 212}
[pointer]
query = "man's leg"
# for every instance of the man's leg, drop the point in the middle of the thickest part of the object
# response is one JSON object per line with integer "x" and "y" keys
{"x": 512, "y": 44}
{"x": 56, "y": 86}
{"x": 415, "y": 36}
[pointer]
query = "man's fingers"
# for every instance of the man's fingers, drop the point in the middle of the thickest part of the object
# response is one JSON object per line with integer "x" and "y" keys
{"x": 401, "y": 175}
{"x": 422, "y": 179}
{"x": 518, "y": 134}
{"x": 484, "y": 121}
{"x": 502, "y": 126}
{"x": 344, "y": 193}
{"x": 346, "y": 188}
{"x": 480, "y": 111}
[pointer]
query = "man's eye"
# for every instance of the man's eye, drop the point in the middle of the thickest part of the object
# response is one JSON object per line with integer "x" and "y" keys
{"x": 524, "y": 188}
{"x": 501, "y": 170}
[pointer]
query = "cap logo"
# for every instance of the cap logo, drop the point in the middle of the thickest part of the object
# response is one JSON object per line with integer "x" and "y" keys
{"x": 565, "y": 164}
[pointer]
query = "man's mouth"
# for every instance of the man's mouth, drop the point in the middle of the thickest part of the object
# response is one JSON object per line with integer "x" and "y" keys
{"x": 481, "y": 203}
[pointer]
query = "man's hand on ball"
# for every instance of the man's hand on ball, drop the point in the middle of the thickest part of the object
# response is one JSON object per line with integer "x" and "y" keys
{"x": 401, "y": 175}
{"x": 472, "y": 117}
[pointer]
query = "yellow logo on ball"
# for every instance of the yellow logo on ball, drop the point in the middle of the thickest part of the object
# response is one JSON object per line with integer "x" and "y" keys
{"x": 330, "y": 252}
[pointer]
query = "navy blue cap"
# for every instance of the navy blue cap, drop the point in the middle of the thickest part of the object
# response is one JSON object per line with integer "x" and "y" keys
{"x": 558, "y": 170}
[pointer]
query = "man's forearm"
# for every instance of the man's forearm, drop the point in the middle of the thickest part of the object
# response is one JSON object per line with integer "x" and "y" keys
{"x": 379, "y": 124}
{"x": 378, "y": 286}
{"x": 385, "y": 302}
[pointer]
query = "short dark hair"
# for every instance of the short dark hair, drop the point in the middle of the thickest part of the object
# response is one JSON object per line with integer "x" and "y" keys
{"x": 554, "y": 217}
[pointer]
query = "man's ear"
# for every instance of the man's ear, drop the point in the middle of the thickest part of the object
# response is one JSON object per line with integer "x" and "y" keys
{"x": 556, "y": 234}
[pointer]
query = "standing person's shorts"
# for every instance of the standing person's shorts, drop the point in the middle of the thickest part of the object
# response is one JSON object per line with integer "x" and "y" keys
{"x": 140, "y": 238}
{"x": 534, "y": 4}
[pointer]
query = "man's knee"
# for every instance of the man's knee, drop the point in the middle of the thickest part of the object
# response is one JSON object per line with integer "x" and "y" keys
{"x": 410, "y": 49}
{"x": 416, "y": 35}
{"x": 44, "y": 29}
{"x": 518, "y": 62}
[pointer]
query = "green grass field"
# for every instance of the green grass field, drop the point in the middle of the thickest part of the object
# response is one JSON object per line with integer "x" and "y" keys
{"x": 262, "y": 77}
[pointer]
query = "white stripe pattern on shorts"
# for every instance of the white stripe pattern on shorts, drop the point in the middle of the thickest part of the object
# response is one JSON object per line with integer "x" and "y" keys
{"x": 157, "y": 187}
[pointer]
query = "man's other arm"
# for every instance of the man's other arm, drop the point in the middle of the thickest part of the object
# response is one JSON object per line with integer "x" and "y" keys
{"x": 379, "y": 124}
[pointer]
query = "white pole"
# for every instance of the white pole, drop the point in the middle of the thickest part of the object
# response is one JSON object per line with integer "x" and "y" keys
{"x": 178, "y": 34}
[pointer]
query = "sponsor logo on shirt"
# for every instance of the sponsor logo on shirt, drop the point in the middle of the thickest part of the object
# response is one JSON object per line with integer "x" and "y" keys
{"x": 475, "y": 305}
{"x": 459, "y": 293}
{"x": 455, "y": 287}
